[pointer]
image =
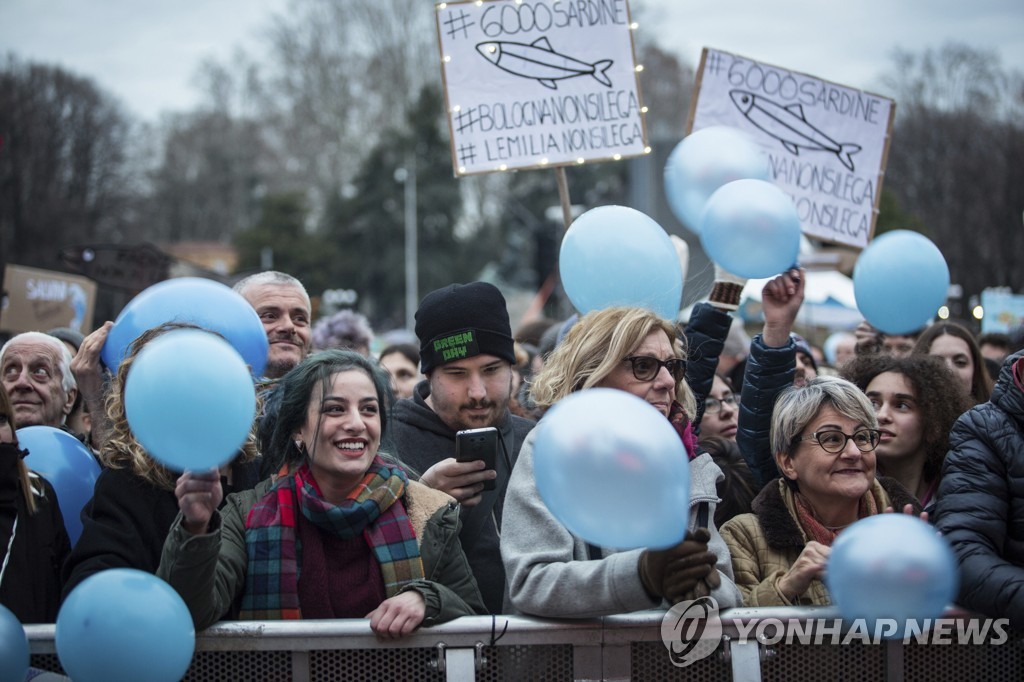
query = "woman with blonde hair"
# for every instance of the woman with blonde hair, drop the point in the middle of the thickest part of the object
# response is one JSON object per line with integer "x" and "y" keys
{"x": 133, "y": 503}
{"x": 551, "y": 572}
{"x": 33, "y": 540}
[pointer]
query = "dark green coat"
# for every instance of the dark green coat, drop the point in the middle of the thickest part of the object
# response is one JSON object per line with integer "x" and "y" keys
{"x": 208, "y": 571}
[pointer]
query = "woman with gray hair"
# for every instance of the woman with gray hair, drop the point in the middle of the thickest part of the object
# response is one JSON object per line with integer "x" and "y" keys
{"x": 823, "y": 437}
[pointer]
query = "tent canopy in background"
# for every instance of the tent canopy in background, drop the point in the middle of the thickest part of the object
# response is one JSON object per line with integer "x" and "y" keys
{"x": 828, "y": 301}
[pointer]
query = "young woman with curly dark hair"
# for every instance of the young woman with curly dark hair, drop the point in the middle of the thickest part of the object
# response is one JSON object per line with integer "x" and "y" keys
{"x": 917, "y": 399}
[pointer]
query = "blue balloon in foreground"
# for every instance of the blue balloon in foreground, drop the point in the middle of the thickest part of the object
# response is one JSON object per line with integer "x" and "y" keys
{"x": 67, "y": 464}
{"x": 612, "y": 469}
{"x": 14, "y": 656}
{"x": 900, "y": 281}
{"x": 614, "y": 255}
{"x": 190, "y": 400}
{"x": 705, "y": 160}
{"x": 124, "y": 625}
{"x": 891, "y": 568}
{"x": 751, "y": 228}
{"x": 202, "y": 302}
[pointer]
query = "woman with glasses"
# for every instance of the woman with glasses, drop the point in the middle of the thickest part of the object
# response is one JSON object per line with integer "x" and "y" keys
{"x": 824, "y": 437}
{"x": 917, "y": 400}
{"x": 721, "y": 412}
{"x": 554, "y": 574}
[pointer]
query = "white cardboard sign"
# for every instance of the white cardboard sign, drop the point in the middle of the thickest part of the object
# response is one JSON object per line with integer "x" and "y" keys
{"x": 827, "y": 144}
{"x": 538, "y": 83}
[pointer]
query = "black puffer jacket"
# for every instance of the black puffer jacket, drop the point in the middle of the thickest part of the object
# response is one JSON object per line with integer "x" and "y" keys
{"x": 705, "y": 336}
{"x": 769, "y": 371}
{"x": 980, "y": 507}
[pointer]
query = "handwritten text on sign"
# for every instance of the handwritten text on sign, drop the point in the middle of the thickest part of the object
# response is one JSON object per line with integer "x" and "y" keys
{"x": 826, "y": 143}
{"x": 539, "y": 82}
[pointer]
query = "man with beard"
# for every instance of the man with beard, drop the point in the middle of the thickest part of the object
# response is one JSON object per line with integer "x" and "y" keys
{"x": 466, "y": 353}
{"x": 284, "y": 308}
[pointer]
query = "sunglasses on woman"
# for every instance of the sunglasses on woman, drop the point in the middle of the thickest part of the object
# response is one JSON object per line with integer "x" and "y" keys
{"x": 645, "y": 368}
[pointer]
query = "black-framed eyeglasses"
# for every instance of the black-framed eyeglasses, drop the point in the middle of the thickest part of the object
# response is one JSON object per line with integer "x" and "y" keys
{"x": 835, "y": 441}
{"x": 714, "y": 405}
{"x": 645, "y": 368}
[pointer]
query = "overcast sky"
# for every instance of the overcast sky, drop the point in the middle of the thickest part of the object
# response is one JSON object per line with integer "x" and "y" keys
{"x": 146, "y": 53}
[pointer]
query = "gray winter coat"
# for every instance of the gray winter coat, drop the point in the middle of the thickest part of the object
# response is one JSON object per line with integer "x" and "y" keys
{"x": 548, "y": 571}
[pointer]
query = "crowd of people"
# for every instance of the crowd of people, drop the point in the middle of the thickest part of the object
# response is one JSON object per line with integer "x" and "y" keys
{"x": 348, "y": 500}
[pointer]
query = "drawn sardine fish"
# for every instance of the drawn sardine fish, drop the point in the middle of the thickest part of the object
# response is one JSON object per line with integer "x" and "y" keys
{"x": 539, "y": 61}
{"x": 789, "y": 126}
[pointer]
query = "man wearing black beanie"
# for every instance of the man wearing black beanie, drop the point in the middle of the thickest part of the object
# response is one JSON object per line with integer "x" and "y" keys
{"x": 466, "y": 353}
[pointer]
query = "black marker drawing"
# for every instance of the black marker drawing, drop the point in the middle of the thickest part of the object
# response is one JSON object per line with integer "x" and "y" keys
{"x": 789, "y": 126}
{"x": 539, "y": 61}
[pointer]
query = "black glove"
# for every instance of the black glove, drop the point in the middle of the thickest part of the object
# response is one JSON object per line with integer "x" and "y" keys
{"x": 672, "y": 573}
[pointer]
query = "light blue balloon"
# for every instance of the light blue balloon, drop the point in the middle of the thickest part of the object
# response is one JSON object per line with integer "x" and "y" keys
{"x": 14, "y": 655}
{"x": 891, "y": 567}
{"x": 67, "y": 464}
{"x": 751, "y": 228}
{"x": 611, "y": 468}
{"x": 614, "y": 255}
{"x": 900, "y": 281}
{"x": 202, "y": 302}
{"x": 705, "y": 160}
{"x": 190, "y": 400}
{"x": 124, "y": 625}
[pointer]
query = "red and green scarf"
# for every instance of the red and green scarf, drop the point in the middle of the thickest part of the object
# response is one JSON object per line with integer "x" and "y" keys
{"x": 374, "y": 509}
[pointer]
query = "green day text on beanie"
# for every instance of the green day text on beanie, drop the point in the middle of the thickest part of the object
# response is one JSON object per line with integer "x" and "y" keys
{"x": 461, "y": 321}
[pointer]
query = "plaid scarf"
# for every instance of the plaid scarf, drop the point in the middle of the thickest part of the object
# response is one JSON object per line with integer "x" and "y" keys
{"x": 681, "y": 423}
{"x": 374, "y": 509}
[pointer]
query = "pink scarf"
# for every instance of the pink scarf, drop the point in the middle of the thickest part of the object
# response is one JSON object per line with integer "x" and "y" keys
{"x": 681, "y": 423}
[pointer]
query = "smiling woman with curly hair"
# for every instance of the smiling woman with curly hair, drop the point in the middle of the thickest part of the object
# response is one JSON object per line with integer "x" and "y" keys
{"x": 917, "y": 399}
{"x": 133, "y": 503}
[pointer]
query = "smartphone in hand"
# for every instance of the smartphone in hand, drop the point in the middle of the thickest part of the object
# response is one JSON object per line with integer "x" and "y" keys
{"x": 474, "y": 444}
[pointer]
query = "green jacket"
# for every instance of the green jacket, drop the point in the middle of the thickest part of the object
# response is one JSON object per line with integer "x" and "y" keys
{"x": 208, "y": 571}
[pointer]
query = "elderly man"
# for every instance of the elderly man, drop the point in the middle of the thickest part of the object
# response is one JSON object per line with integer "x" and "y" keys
{"x": 36, "y": 373}
{"x": 283, "y": 306}
{"x": 466, "y": 353}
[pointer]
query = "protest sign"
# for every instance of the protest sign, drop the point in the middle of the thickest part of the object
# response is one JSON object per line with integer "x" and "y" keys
{"x": 38, "y": 300}
{"x": 827, "y": 144}
{"x": 539, "y": 83}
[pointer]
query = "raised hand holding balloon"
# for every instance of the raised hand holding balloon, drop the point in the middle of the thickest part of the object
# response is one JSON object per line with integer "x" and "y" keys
{"x": 603, "y": 444}
{"x": 199, "y": 301}
{"x": 705, "y": 160}
{"x": 614, "y": 255}
{"x": 899, "y": 281}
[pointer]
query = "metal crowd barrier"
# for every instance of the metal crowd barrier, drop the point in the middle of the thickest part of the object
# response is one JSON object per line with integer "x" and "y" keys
{"x": 625, "y": 647}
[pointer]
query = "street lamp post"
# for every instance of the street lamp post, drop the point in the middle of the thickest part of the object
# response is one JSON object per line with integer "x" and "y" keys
{"x": 407, "y": 176}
